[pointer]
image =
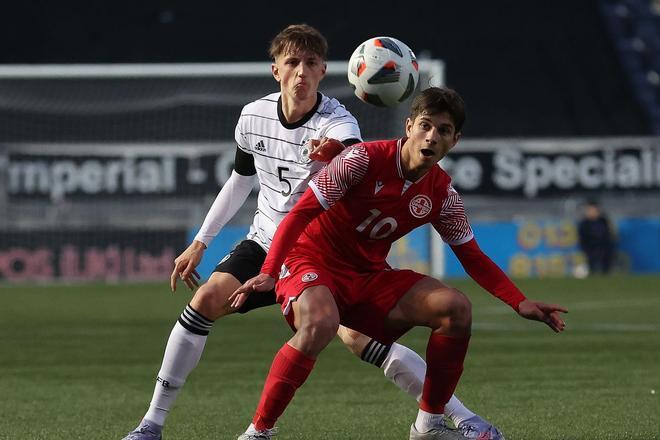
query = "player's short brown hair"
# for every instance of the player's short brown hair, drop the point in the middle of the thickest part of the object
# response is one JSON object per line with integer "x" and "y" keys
{"x": 299, "y": 37}
{"x": 436, "y": 100}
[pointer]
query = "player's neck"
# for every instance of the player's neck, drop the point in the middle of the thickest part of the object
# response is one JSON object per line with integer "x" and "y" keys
{"x": 294, "y": 110}
{"x": 413, "y": 170}
{"x": 413, "y": 173}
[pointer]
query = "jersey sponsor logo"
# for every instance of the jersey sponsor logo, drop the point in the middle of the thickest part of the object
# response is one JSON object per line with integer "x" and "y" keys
{"x": 309, "y": 276}
{"x": 420, "y": 206}
{"x": 260, "y": 146}
{"x": 379, "y": 186}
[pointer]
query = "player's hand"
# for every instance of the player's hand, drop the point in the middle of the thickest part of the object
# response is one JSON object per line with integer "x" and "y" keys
{"x": 185, "y": 264}
{"x": 260, "y": 283}
{"x": 324, "y": 149}
{"x": 547, "y": 313}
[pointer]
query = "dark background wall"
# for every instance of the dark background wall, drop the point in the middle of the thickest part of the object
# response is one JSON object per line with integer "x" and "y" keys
{"x": 526, "y": 68}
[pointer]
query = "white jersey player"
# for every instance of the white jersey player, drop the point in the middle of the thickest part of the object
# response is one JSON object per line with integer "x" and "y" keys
{"x": 280, "y": 153}
{"x": 275, "y": 137}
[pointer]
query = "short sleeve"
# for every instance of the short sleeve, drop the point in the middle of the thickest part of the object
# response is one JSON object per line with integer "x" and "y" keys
{"x": 344, "y": 171}
{"x": 341, "y": 124}
{"x": 240, "y": 134}
{"x": 452, "y": 224}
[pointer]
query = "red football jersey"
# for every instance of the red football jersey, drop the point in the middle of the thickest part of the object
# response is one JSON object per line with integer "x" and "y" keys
{"x": 380, "y": 206}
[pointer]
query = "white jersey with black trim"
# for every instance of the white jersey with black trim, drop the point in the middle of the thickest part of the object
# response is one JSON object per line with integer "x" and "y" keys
{"x": 280, "y": 154}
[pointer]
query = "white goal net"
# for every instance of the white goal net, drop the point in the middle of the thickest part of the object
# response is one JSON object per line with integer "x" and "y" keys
{"x": 106, "y": 169}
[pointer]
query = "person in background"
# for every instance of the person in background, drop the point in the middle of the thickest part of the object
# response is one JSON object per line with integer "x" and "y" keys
{"x": 596, "y": 239}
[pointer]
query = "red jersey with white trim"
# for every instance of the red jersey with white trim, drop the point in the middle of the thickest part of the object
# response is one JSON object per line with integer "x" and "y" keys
{"x": 381, "y": 206}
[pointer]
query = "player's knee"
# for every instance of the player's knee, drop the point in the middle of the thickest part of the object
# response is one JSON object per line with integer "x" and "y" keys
{"x": 320, "y": 328}
{"x": 318, "y": 317}
{"x": 319, "y": 321}
{"x": 314, "y": 335}
{"x": 210, "y": 301}
{"x": 456, "y": 316}
{"x": 461, "y": 313}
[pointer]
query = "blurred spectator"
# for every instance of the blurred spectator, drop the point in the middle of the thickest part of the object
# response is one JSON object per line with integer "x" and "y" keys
{"x": 596, "y": 238}
{"x": 655, "y": 7}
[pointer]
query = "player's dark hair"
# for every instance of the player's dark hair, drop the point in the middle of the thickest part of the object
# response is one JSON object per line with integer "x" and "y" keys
{"x": 435, "y": 100}
{"x": 299, "y": 37}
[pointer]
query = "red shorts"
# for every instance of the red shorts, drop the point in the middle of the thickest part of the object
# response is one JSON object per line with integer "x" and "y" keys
{"x": 364, "y": 300}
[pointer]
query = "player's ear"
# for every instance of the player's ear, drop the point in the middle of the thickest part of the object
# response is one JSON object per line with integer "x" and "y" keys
{"x": 325, "y": 67}
{"x": 275, "y": 71}
{"x": 409, "y": 126}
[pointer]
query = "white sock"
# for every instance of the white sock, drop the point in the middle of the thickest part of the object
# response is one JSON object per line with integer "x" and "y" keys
{"x": 456, "y": 411}
{"x": 183, "y": 351}
{"x": 407, "y": 370}
{"x": 251, "y": 429}
{"x": 427, "y": 421}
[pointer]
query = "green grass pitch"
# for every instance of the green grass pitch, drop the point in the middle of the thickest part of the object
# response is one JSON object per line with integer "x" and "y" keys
{"x": 79, "y": 362}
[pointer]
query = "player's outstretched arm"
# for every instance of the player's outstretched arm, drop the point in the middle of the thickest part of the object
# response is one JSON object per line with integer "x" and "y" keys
{"x": 547, "y": 313}
{"x": 489, "y": 276}
{"x": 185, "y": 264}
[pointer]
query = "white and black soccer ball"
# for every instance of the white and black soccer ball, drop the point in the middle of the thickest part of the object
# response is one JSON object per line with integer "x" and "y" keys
{"x": 383, "y": 71}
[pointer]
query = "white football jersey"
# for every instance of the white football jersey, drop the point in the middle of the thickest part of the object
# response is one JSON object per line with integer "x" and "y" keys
{"x": 280, "y": 154}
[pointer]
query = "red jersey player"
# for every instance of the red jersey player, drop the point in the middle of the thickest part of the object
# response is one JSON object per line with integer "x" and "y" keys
{"x": 335, "y": 242}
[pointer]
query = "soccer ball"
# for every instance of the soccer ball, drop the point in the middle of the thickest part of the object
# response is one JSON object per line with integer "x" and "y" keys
{"x": 383, "y": 71}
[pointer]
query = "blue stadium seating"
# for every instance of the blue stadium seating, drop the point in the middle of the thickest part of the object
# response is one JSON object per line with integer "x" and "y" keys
{"x": 634, "y": 26}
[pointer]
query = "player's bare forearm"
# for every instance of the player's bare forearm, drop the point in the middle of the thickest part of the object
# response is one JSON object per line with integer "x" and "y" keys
{"x": 546, "y": 313}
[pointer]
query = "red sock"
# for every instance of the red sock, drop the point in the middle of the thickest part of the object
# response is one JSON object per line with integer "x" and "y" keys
{"x": 288, "y": 372}
{"x": 444, "y": 365}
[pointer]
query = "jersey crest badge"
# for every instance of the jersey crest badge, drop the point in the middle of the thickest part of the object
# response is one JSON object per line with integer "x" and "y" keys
{"x": 420, "y": 206}
{"x": 303, "y": 152}
{"x": 309, "y": 277}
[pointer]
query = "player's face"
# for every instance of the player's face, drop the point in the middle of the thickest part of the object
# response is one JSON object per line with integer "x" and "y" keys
{"x": 430, "y": 137}
{"x": 299, "y": 73}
